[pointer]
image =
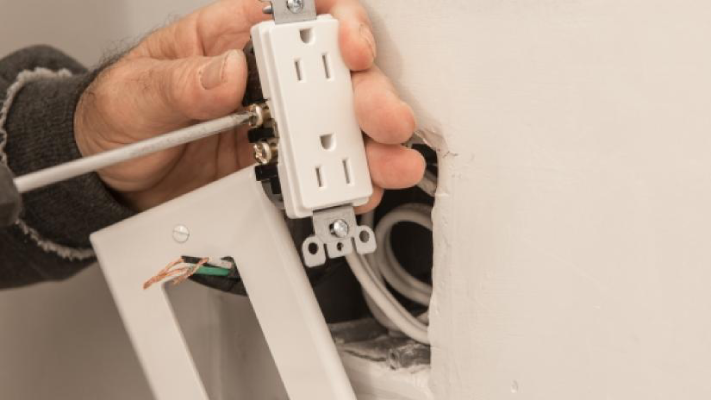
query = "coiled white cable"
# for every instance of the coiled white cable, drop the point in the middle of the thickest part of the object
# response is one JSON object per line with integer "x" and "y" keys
{"x": 373, "y": 270}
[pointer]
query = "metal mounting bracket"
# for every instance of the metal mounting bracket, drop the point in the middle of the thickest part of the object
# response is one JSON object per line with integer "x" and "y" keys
{"x": 336, "y": 230}
{"x": 288, "y": 11}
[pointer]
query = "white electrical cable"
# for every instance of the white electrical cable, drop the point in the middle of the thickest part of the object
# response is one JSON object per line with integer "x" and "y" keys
{"x": 373, "y": 270}
{"x": 385, "y": 301}
{"x": 391, "y": 269}
{"x": 428, "y": 184}
{"x": 378, "y": 314}
{"x": 99, "y": 161}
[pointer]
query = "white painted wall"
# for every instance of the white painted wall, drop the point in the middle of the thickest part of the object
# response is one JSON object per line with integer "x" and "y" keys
{"x": 85, "y": 29}
{"x": 574, "y": 218}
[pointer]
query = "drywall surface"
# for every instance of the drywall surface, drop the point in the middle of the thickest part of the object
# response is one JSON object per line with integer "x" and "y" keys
{"x": 573, "y": 225}
{"x": 85, "y": 29}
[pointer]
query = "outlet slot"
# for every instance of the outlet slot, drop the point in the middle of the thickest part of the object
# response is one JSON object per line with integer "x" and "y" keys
{"x": 327, "y": 66}
{"x": 299, "y": 75}
{"x": 319, "y": 178}
{"x": 307, "y": 35}
{"x": 347, "y": 171}
{"x": 328, "y": 142}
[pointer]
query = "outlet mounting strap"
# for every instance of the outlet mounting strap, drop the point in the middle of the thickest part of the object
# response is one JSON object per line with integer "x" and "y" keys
{"x": 288, "y": 11}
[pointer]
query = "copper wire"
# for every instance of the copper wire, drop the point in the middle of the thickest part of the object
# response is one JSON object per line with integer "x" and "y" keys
{"x": 180, "y": 274}
{"x": 190, "y": 272}
{"x": 162, "y": 274}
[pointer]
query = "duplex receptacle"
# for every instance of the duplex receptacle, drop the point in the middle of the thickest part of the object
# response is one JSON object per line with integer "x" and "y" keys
{"x": 322, "y": 162}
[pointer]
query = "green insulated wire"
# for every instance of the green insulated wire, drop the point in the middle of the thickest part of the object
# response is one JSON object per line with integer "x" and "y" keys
{"x": 213, "y": 271}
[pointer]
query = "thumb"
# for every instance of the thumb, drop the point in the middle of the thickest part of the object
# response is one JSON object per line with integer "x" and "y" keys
{"x": 165, "y": 94}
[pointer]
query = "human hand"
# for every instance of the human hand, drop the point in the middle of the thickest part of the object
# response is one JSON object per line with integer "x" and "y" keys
{"x": 194, "y": 70}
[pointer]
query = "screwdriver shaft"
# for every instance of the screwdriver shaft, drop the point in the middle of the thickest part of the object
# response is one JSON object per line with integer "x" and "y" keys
{"x": 106, "y": 159}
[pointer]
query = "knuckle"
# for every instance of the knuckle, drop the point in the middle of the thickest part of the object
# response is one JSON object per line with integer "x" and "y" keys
{"x": 178, "y": 88}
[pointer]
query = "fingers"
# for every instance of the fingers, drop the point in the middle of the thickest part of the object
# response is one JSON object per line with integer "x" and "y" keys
{"x": 355, "y": 36}
{"x": 373, "y": 202}
{"x": 380, "y": 112}
{"x": 161, "y": 95}
{"x": 394, "y": 166}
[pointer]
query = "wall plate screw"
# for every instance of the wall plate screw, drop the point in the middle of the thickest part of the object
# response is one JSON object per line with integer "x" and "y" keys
{"x": 295, "y": 6}
{"x": 181, "y": 234}
{"x": 340, "y": 229}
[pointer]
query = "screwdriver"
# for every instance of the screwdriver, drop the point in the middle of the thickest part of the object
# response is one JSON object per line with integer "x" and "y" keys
{"x": 11, "y": 189}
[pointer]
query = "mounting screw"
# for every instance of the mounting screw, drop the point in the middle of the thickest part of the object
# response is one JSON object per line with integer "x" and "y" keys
{"x": 295, "y": 6}
{"x": 340, "y": 229}
{"x": 181, "y": 234}
{"x": 269, "y": 10}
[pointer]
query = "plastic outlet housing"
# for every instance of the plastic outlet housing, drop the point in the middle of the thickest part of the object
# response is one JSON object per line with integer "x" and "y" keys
{"x": 322, "y": 161}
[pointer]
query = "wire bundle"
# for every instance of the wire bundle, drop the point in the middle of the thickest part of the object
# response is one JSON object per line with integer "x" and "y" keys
{"x": 186, "y": 266}
{"x": 374, "y": 270}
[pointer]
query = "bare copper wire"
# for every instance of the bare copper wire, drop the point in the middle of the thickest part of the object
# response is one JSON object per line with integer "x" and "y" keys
{"x": 190, "y": 272}
{"x": 163, "y": 273}
{"x": 180, "y": 274}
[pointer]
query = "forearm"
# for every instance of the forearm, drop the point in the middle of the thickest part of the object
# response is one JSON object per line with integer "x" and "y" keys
{"x": 40, "y": 88}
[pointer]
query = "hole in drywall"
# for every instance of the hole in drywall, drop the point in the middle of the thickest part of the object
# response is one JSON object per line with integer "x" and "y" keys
{"x": 347, "y": 170}
{"x": 328, "y": 141}
{"x": 319, "y": 178}
{"x": 297, "y": 65}
{"x": 327, "y": 66}
{"x": 307, "y": 35}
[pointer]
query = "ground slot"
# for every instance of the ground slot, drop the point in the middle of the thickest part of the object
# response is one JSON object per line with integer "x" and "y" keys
{"x": 307, "y": 35}
{"x": 328, "y": 141}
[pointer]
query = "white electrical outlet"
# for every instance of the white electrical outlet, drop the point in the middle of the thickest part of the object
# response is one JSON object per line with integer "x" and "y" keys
{"x": 322, "y": 167}
{"x": 308, "y": 87}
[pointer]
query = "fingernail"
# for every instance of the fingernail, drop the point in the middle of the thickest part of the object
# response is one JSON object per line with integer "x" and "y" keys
{"x": 213, "y": 74}
{"x": 368, "y": 37}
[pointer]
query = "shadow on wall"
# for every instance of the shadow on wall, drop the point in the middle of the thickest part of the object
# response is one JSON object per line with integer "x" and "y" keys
{"x": 85, "y": 29}
{"x": 81, "y": 28}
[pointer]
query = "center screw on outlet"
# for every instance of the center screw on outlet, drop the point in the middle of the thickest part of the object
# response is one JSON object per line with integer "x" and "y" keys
{"x": 295, "y": 6}
{"x": 340, "y": 229}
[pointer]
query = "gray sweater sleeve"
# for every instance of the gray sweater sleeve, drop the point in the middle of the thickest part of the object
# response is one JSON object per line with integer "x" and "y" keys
{"x": 39, "y": 90}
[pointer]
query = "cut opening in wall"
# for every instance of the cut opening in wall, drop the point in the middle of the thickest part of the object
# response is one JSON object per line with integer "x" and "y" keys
{"x": 364, "y": 334}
